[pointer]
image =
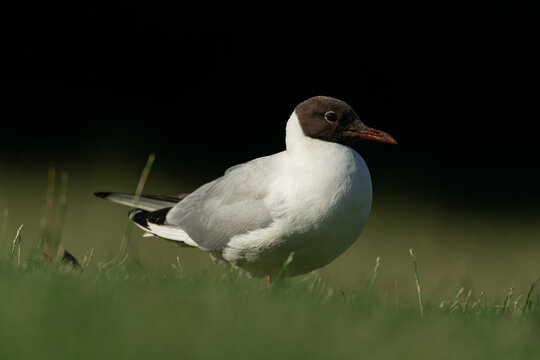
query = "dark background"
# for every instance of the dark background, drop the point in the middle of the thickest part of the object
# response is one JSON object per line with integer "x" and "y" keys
{"x": 208, "y": 88}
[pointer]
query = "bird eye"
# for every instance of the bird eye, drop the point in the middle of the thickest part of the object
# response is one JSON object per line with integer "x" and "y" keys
{"x": 330, "y": 116}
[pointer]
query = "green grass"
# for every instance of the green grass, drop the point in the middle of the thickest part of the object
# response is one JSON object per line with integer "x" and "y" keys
{"x": 117, "y": 313}
{"x": 474, "y": 272}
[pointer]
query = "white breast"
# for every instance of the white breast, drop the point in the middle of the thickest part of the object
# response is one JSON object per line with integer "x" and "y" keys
{"x": 322, "y": 200}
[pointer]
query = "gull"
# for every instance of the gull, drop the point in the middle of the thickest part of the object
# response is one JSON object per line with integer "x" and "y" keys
{"x": 312, "y": 200}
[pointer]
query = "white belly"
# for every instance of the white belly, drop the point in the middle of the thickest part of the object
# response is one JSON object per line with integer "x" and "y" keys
{"x": 320, "y": 246}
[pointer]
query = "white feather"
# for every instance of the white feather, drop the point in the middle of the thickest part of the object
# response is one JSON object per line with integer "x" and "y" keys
{"x": 168, "y": 232}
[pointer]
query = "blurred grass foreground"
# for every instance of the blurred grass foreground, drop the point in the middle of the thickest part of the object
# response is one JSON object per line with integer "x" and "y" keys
{"x": 476, "y": 274}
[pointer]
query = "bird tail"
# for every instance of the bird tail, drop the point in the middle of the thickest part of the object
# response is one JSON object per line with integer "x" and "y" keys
{"x": 145, "y": 202}
{"x": 155, "y": 224}
{"x": 149, "y": 213}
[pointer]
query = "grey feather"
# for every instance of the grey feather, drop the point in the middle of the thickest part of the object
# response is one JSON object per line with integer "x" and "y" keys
{"x": 146, "y": 202}
{"x": 228, "y": 206}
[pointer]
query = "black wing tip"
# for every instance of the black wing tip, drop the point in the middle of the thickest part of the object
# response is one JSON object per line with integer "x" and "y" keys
{"x": 102, "y": 194}
{"x": 139, "y": 217}
{"x": 144, "y": 217}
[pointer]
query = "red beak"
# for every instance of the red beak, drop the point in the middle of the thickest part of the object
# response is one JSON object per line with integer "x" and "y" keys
{"x": 374, "y": 134}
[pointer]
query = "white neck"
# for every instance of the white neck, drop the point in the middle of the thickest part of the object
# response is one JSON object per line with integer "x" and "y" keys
{"x": 295, "y": 139}
{"x": 328, "y": 169}
{"x": 297, "y": 142}
{"x": 293, "y": 133}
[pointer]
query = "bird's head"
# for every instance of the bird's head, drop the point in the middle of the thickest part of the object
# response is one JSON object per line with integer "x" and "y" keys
{"x": 329, "y": 119}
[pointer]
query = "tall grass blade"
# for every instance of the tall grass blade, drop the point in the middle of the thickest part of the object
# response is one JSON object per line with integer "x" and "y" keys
{"x": 17, "y": 243}
{"x": 122, "y": 252}
{"x": 87, "y": 259}
{"x": 528, "y": 299}
{"x": 61, "y": 212}
{"x": 375, "y": 275}
{"x": 418, "y": 288}
{"x": 455, "y": 303}
{"x": 466, "y": 303}
{"x": 508, "y": 297}
{"x": 482, "y": 299}
{"x": 49, "y": 215}
{"x": 284, "y": 271}
{"x": 177, "y": 267}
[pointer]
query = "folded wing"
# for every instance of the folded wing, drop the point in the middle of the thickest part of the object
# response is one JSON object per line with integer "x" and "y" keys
{"x": 231, "y": 205}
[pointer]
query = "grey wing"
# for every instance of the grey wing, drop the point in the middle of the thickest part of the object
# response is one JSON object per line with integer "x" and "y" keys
{"x": 228, "y": 206}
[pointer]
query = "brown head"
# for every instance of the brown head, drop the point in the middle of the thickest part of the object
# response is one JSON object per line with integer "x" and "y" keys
{"x": 329, "y": 119}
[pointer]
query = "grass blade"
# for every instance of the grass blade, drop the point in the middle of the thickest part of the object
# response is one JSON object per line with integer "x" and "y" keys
{"x": 508, "y": 297}
{"x": 375, "y": 275}
{"x": 528, "y": 300}
{"x": 17, "y": 243}
{"x": 418, "y": 288}
{"x": 284, "y": 271}
{"x": 466, "y": 303}
{"x": 455, "y": 303}
{"x": 49, "y": 214}
{"x": 87, "y": 258}
{"x": 122, "y": 252}
{"x": 61, "y": 212}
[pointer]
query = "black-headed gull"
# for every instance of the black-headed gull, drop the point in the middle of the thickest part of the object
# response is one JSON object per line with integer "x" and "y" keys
{"x": 313, "y": 199}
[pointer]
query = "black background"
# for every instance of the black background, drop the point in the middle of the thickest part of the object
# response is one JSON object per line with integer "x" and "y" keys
{"x": 211, "y": 87}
